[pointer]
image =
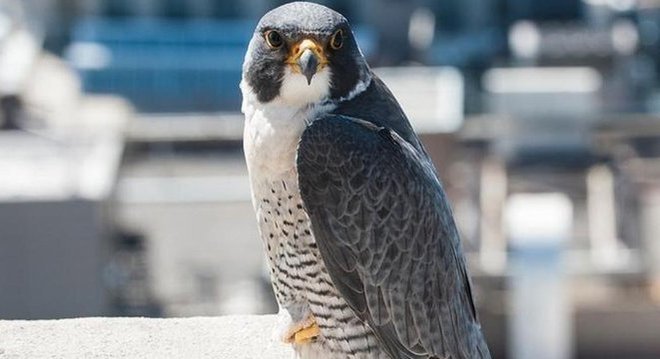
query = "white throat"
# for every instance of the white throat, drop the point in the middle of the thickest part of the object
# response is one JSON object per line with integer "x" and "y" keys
{"x": 296, "y": 92}
{"x": 272, "y": 130}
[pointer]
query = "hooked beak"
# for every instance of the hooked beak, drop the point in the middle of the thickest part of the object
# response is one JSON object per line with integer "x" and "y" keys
{"x": 308, "y": 64}
{"x": 307, "y": 58}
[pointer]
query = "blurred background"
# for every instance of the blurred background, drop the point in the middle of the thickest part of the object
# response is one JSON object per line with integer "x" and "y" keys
{"x": 123, "y": 189}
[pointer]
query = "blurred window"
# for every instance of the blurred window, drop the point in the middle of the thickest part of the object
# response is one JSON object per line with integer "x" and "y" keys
{"x": 542, "y": 10}
{"x": 175, "y": 8}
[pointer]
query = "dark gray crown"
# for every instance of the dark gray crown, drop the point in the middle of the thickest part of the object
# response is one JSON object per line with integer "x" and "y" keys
{"x": 305, "y": 16}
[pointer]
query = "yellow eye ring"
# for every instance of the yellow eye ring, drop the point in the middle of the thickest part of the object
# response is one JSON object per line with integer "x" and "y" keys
{"x": 337, "y": 40}
{"x": 273, "y": 39}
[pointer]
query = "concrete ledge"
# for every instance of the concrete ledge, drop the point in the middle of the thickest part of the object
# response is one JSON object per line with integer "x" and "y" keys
{"x": 219, "y": 337}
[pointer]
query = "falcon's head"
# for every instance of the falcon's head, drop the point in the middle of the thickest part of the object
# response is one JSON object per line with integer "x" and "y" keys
{"x": 302, "y": 53}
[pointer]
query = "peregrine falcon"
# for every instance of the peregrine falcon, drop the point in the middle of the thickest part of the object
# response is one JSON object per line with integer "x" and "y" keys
{"x": 364, "y": 255}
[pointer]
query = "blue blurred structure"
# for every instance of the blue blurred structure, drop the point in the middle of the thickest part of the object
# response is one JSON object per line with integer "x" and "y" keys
{"x": 167, "y": 65}
{"x": 163, "y": 65}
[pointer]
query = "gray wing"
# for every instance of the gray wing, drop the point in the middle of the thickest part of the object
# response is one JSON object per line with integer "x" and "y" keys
{"x": 387, "y": 237}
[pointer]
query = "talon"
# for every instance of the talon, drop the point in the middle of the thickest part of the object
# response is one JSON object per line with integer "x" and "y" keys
{"x": 303, "y": 332}
{"x": 306, "y": 335}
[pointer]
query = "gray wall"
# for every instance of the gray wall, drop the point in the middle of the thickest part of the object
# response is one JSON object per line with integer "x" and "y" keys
{"x": 51, "y": 260}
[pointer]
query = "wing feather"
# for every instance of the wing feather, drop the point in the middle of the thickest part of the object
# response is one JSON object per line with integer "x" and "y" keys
{"x": 387, "y": 237}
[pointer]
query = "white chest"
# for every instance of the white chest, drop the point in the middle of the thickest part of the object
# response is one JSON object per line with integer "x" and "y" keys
{"x": 271, "y": 135}
{"x": 271, "y": 139}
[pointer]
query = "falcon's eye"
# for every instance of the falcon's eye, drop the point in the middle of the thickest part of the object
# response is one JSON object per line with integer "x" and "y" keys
{"x": 337, "y": 40}
{"x": 274, "y": 39}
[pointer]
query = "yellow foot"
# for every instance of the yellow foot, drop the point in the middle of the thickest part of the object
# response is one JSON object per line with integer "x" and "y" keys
{"x": 303, "y": 332}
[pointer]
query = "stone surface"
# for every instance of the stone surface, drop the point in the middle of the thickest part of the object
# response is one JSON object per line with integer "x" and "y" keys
{"x": 202, "y": 337}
